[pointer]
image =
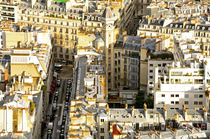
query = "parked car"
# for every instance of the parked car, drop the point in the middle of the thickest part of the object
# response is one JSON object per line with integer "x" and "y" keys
{"x": 58, "y": 83}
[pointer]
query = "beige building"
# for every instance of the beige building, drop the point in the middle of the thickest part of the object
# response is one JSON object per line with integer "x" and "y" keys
{"x": 90, "y": 89}
{"x": 133, "y": 123}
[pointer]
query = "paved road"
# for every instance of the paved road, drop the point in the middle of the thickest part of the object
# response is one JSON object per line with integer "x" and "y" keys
{"x": 65, "y": 74}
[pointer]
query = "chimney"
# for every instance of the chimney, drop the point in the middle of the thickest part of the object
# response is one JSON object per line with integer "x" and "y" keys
{"x": 107, "y": 108}
{"x": 205, "y": 113}
{"x": 124, "y": 126}
{"x": 165, "y": 111}
{"x": 126, "y": 106}
{"x": 184, "y": 23}
{"x": 125, "y": 37}
{"x": 149, "y": 19}
{"x": 145, "y": 110}
{"x": 196, "y": 23}
{"x": 185, "y": 112}
{"x": 132, "y": 112}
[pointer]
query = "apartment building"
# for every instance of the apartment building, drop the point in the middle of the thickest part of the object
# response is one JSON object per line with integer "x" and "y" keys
{"x": 157, "y": 61}
{"x": 125, "y": 62}
{"x": 90, "y": 89}
{"x": 171, "y": 27}
{"x": 26, "y": 60}
{"x": 187, "y": 80}
{"x": 25, "y": 102}
{"x": 146, "y": 123}
{"x": 19, "y": 117}
{"x": 8, "y": 11}
{"x": 90, "y": 109}
{"x": 177, "y": 8}
{"x": 121, "y": 97}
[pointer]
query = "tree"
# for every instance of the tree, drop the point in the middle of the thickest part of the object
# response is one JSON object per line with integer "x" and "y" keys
{"x": 141, "y": 99}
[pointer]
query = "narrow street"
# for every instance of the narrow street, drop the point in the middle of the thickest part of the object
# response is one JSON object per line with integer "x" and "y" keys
{"x": 57, "y": 107}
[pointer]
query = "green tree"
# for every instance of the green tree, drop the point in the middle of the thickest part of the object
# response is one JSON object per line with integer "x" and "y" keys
{"x": 141, "y": 99}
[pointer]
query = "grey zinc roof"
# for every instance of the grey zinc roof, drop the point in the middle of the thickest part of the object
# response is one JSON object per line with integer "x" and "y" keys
{"x": 8, "y": 99}
{"x": 108, "y": 13}
{"x": 149, "y": 44}
{"x": 81, "y": 75}
{"x": 133, "y": 43}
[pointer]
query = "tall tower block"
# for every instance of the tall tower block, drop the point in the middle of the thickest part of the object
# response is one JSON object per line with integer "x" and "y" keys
{"x": 108, "y": 19}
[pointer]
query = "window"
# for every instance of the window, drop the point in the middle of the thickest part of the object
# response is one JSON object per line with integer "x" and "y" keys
{"x": 186, "y": 102}
{"x": 163, "y": 95}
{"x": 186, "y": 95}
{"x": 102, "y": 137}
{"x": 172, "y": 95}
{"x": 67, "y": 30}
{"x": 67, "y": 43}
{"x": 177, "y": 102}
{"x": 67, "y": 56}
{"x": 177, "y": 95}
{"x": 125, "y": 60}
{"x": 151, "y": 116}
{"x": 67, "y": 37}
{"x": 159, "y": 65}
{"x": 150, "y": 77}
{"x": 125, "y": 68}
{"x": 200, "y": 103}
{"x": 151, "y": 65}
{"x": 200, "y": 96}
{"x": 102, "y": 130}
{"x": 195, "y": 96}
{"x": 150, "y": 71}
{"x": 102, "y": 120}
{"x": 119, "y": 54}
{"x": 195, "y": 102}
{"x": 172, "y": 102}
